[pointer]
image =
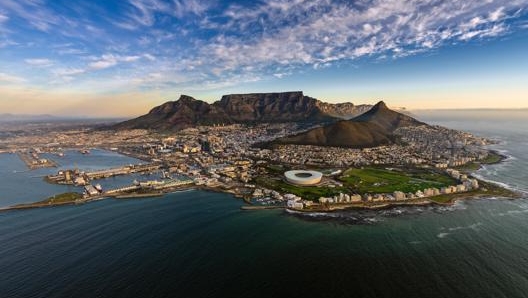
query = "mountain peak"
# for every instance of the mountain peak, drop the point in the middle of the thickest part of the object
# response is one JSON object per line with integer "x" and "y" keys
{"x": 186, "y": 98}
{"x": 373, "y": 128}
{"x": 380, "y": 105}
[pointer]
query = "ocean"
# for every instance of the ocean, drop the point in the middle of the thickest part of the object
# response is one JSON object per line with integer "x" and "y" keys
{"x": 200, "y": 244}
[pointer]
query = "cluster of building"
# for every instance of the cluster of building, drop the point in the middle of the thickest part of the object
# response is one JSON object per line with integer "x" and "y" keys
{"x": 209, "y": 145}
{"x": 224, "y": 156}
{"x": 466, "y": 184}
{"x": 81, "y": 178}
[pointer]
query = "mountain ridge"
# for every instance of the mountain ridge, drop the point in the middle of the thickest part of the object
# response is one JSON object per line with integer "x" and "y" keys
{"x": 249, "y": 108}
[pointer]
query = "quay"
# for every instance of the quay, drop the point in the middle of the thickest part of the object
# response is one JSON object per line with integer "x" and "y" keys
{"x": 33, "y": 161}
{"x": 123, "y": 171}
{"x": 76, "y": 177}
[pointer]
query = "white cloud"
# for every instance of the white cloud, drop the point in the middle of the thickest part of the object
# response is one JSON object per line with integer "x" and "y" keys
{"x": 129, "y": 58}
{"x": 185, "y": 7}
{"x": 36, "y": 15}
{"x": 6, "y": 78}
{"x": 261, "y": 39}
{"x": 495, "y": 30}
{"x": 314, "y": 32}
{"x": 3, "y": 17}
{"x": 68, "y": 72}
{"x": 109, "y": 60}
{"x": 149, "y": 57}
{"x": 41, "y": 62}
{"x": 104, "y": 62}
{"x": 497, "y": 14}
{"x": 7, "y": 43}
{"x": 143, "y": 12}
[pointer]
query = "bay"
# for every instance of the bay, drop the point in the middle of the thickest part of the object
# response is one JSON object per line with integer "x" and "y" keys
{"x": 200, "y": 244}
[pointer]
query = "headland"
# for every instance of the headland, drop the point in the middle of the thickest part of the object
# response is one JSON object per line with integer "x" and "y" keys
{"x": 408, "y": 162}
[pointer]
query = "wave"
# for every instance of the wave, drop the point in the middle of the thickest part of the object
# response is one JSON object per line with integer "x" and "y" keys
{"x": 373, "y": 216}
{"x": 442, "y": 235}
{"x": 471, "y": 227}
{"x": 501, "y": 184}
{"x": 343, "y": 217}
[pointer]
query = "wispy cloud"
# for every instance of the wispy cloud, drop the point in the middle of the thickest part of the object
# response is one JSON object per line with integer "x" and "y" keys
{"x": 7, "y": 78}
{"x": 34, "y": 12}
{"x": 3, "y": 17}
{"x": 69, "y": 71}
{"x": 312, "y": 32}
{"x": 7, "y": 43}
{"x": 210, "y": 44}
{"x": 143, "y": 12}
{"x": 109, "y": 60}
{"x": 40, "y": 62}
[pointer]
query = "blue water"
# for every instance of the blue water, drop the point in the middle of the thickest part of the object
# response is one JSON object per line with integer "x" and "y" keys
{"x": 200, "y": 244}
{"x": 19, "y": 185}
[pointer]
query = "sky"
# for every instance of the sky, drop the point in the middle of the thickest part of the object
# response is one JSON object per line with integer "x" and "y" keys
{"x": 121, "y": 58}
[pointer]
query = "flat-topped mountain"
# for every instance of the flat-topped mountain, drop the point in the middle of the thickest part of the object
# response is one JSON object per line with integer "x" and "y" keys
{"x": 272, "y": 107}
{"x": 242, "y": 108}
{"x": 373, "y": 128}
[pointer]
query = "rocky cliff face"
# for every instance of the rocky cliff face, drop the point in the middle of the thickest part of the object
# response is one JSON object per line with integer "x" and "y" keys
{"x": 242, "y": 108}
{"x": 272, "y": 107}
{"x": 346, "y": 110}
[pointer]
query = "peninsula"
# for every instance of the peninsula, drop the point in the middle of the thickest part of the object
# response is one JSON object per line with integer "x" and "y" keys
{"x": 368, "y": 156}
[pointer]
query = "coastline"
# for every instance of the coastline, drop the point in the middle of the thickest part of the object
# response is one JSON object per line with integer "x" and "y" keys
{"x": 118, "y": 196}
{"x": 495, "y": 190}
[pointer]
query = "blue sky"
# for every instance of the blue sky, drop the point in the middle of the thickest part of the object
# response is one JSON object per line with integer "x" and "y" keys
{"x": 120, "y": 58}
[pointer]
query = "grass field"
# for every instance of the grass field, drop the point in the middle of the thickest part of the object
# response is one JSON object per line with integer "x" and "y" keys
{"x": 305, "y": 192}
{"x": 62, "y": 198}
{"x": 383, "y": 180}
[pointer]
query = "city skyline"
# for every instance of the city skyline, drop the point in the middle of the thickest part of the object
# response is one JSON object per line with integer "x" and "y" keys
{"x": 67, "y": 58}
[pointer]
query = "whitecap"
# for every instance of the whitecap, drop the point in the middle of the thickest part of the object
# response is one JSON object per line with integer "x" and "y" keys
{"x": 442, "y": 235}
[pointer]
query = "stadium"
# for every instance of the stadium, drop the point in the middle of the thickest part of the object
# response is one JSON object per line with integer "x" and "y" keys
{"x": 303, "y": 177}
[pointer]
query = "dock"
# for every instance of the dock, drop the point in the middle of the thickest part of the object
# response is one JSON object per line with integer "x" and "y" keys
{"x": 33, "y": 161}
{"x": 139, "y": 195}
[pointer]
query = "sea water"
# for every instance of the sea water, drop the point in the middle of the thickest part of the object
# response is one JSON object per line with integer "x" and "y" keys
{"x": 200, "y": 244}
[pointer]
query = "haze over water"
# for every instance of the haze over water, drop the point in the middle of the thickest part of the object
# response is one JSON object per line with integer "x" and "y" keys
{"x": 200, "y": 244}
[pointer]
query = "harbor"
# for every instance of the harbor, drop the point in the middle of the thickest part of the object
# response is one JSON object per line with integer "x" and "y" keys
{"x": 34, "y": 161}
{"x": 81, "y": 178}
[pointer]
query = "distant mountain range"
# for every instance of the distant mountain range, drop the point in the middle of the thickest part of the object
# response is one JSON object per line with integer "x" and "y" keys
{"x": 364, "y": 125}
{"x": 373, "y": 128}
{"x": 243, "y": 108}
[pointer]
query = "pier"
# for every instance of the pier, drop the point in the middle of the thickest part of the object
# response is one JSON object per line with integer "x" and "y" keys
{"x": 76, "y": 177}
{"x": 122, "y": 171}
{"x": 33, "y": 161}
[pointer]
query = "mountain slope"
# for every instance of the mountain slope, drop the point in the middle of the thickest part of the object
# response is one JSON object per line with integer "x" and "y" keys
{"x": 373, "y": 128}
{"x": 241, "y": 108}
{"x": 380, "y": 114}
{"x": 176, "y": 115}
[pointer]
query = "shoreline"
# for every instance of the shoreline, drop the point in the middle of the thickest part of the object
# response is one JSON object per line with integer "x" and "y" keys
{"x": 118, "y": 196}
{"x": 453, "y": 199}
{"x": 496, "y": 190}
